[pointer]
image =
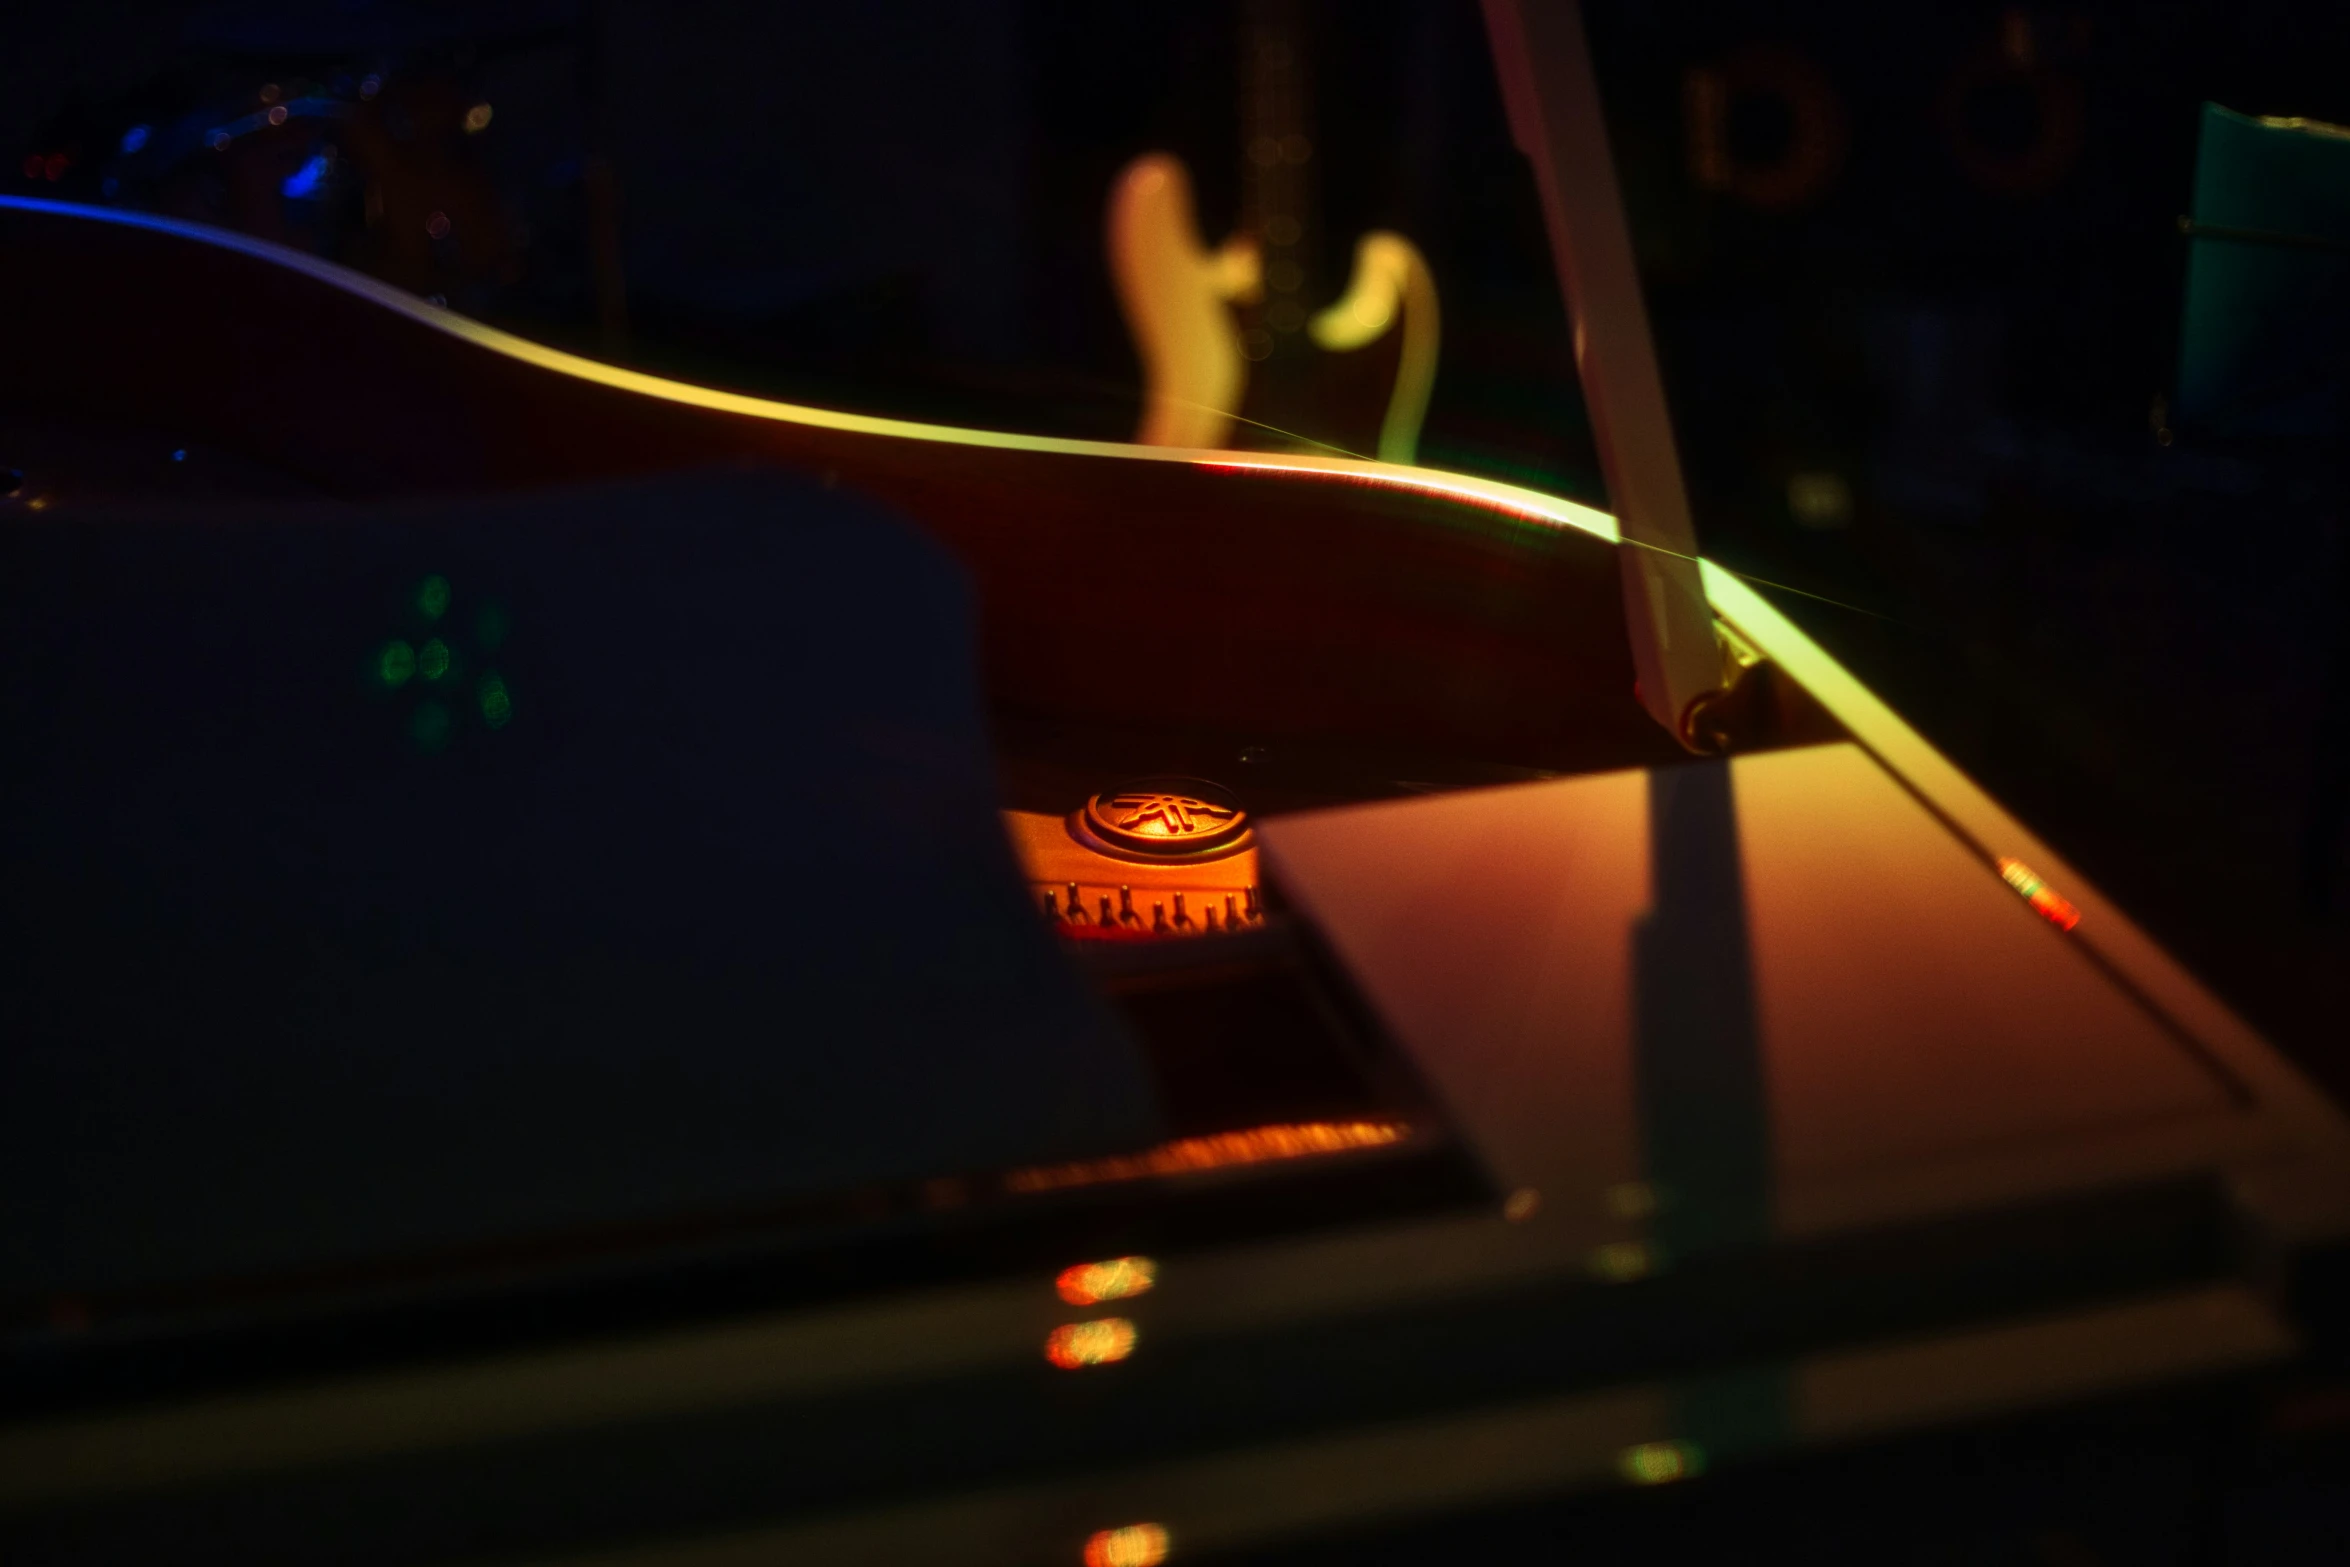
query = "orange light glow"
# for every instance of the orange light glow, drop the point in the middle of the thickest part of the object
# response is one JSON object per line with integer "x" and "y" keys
{"x": 1136, "y": 1545}
{"x": 1257, "y": 1145}
{"x": 2038, "y": 894}
{"x": 1103, "y": 1342}
{"x": 1658, "y": 1463}
{"x": 1091, "y": 1283}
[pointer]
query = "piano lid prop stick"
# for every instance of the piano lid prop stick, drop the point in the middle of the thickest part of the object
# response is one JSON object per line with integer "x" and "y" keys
{"x": 1544, "y": 63}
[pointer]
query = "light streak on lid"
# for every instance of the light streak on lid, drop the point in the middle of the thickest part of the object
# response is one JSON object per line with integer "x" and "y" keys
{"x": 2038, "y": 894}
{"x": 1091, "y": 1283}
{"x": 1487, "y": 495}
{"x": 1490, "y": 495}
{"x": 1136, "y": 1545}
{"x": 1102, "y": 1342}
{"x": 1256, "y": 1145}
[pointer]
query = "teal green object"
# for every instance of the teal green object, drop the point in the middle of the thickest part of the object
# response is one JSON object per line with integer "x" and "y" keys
{"x": 2267, "y": 324}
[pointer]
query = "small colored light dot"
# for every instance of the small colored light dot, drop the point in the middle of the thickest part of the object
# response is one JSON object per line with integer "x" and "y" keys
{"x": 180, "y": 455}
{"x": 430, "y": 727}
{"x": 477, "y": 118}
{"x": 497, "y": 707}
{"x": 134, "y": 138}
{"x": 1620, "y": 1262}
{"x": 432, "y": 597}
{"x": 1136, "y": 1545}
{"x": 395, "y": 664}
{"x": 1103, "y": 1342}
{"x": 433, "y": 659}
{"x": 1091, "y": 1283}
{"x": 437, "y": 225}
{"x": 2042, "y": 898}
{"x": 1659, "y": 1463}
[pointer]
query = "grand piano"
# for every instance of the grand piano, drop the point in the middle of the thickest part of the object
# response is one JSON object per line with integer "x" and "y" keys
{"x": 1518, "y": 1060}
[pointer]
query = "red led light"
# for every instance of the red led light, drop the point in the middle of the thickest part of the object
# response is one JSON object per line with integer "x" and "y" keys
{"x": 2038, "y": 894}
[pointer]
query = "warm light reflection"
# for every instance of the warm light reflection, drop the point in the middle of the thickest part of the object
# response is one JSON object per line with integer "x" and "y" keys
{"x": 1655, "y": 1463}
{"x": 2038, "y": 894}
{"x": 1257, "y": 1145}
{"x": 1091, "y": 1283}
{"x": 1102, "y": 1342}
{"x": 1506, "y": 500}
{"x": 1902, "y": 750}
{"x": 1136, "y": 1545}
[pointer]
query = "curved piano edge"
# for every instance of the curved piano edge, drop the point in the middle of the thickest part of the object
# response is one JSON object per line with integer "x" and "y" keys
{"x": 1970, "y": 810}
{"x": 2294, "y": 1200}
{"x": 1487, "y": 494}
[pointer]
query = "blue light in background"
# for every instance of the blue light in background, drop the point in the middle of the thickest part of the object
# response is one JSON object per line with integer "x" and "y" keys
{"x": 134, "y": 138}
{"x": 307, "y": 180}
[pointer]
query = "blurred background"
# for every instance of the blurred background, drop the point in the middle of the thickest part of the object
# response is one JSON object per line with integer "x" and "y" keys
{"x": 1918, "y": 274}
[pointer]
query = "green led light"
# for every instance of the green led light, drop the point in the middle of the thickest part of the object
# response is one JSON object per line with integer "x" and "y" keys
{"x": 395, "y": 664}
{"x": 433, "y": 659}
{"x": 497, "y": 706}
{"x": 432, "y": 597}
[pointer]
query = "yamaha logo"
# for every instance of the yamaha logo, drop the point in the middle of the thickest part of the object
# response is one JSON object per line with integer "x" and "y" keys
{"x": 1164, "y": 819}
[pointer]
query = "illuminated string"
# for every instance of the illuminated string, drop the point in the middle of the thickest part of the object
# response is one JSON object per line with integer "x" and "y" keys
{"x": 1747, "y": 576}
{"x": 1494, "y": 495}
{"x": 1127, "y": 394}
{"x": 1292, "y": 435}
